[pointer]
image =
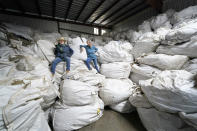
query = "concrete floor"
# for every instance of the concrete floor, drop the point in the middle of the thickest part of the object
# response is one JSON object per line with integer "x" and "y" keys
{"x": 113, "y": 121}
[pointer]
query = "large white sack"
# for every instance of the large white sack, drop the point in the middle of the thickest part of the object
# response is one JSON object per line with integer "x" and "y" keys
{"x": 45, "y": 87}
{"x": 162, "y": 32}
{"x": 51, "y": 37}
{"x": 47, "y": 49}
{"x": 80, "y": 72}
{"x": 115, "y": 91}
{"x": 187, "y": 13}
{"x": 145, "y": 27}
{"x": 142, "y": 72}
{"x": 76, "y": 93}
{"x": 181, "y": 33}
{"x": 189, "y": 118}
{"x": 116, "y": 70}
{"x": 149, "y": 37}
{"x": 160, "y": 21}
{"x": 191, "y": 66}
{"x": 163, "y": 61}
{"x": 172, "y": 91}
{"x": 154, "y": 120}
{"x": 141, "y": 48}
{"x": 25, "y": 115}
{"x": 19, "y": 30}
{"x": 138, "y": 99}
{"x": 145, "y": 70}
{"x": 115, "y": 51}
{"x": 72, "y": 118}
{"x": 75, "y": 45}
{"x": 123, "y": 107}
{"x": 132, "y": 35}
{"x": 188, "y": 49}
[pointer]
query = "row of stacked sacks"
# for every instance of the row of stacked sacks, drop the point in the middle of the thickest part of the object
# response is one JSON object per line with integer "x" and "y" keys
{"x": 154, "y": 74}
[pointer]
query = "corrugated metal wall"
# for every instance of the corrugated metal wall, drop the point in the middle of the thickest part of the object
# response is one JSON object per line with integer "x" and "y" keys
{"x": 132, "y": 22}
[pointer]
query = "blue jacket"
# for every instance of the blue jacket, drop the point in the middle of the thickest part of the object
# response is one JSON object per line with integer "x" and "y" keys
{"x": 90, "y": 51}
{"x": 63, "y": 51}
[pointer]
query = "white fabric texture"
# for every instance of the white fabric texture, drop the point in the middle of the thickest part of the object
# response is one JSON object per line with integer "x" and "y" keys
{"x": 116, "y": 70}
{"x": 123, "y": 107}
{"x": 162, "y": 121}
{"x": 115, "y": 91}
{"x": 172, "y": 91}
{"x": 163, "y": 61}
{"x": 188, "y": 49}
{"x": 76, "y": 93}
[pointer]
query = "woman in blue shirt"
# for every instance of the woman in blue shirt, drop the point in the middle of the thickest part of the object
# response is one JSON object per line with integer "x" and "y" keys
{"x": 90, "y": 50}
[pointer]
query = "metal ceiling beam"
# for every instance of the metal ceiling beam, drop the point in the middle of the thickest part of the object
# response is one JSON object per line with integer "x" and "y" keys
{"x": 68, "y": 9}
{"x": 105, "y": 11}
{"x": 83, "y": 7}
{"x": 134, "y": 13}
{"x": 126, "y": 11}
{"x": 20, "y": 7}
{"x": 38, "y": 7}
{"x": 116, "y": 11}
{"x": 86, "y": 19}
{"x": 54, "y": 7}
{"x": 36, "y": 16}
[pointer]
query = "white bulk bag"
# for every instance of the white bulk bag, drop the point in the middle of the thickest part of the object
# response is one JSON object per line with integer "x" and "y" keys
{"x": 47, "y": 49}
{"x": 189, "y": 118}
{"x": 19, "y": 30}
{"x": 72, "y": 118}
{"x": 142, "y": 72}
{"x": 155, "y": 120}
{"x": 191, "y": 66}
{"x": 75, "y": 45}
{"x": 138, "y": 99}
{"x": 141, "y": 48}
{"x": 162, "y": 61}
{"x": 145, "y": 27}
{"x": 6, "y": 52}
{"x": 76, "y": 93}
{"x": 115, "y": 91}
{"x": 51, "y": 37}
{"x": 115, "y": 51}
{"x": 2, "y": 125}
{"x": 25, "y": 115}
{"x": 162, "y": 32}
{"x": 159, "y": 21}
{"x": 116, "y": 70}
{"x": 188, "y": 49}
{"x": 123, "y": 107}
{"x": 132, "y": 35}
{"x": 172, "y": 91}
{"x": 181, "y": 34}
{"x": 187, "y": 13}
{"x": 145, "y": 70}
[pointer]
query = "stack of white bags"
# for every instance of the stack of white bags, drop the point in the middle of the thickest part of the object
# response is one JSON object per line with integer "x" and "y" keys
{"x": 154, "y": 73}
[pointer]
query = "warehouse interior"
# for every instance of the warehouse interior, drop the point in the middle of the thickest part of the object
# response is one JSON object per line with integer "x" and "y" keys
{"x": 146, "y": 55}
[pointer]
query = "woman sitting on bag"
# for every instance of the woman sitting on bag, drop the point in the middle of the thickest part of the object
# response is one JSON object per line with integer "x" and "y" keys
{"x": 63, "y": 52}
{"x": 90, "y": 50}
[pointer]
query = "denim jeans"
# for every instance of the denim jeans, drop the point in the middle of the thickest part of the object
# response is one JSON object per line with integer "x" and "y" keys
{"x": 58, "y": 60}
{"x": 94, "y": 61}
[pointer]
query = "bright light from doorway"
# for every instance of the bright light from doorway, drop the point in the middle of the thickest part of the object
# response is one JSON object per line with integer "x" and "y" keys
{"x": 103, "y": 32}
{"x": 96, "y": 31}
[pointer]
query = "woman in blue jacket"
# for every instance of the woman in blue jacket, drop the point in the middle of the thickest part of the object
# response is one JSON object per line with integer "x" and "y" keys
{"x": 90, "y": 50}
{"x": 63, "y": 52}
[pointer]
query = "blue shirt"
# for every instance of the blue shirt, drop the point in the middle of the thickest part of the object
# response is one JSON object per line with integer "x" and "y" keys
{"x": 90, "y": 51}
